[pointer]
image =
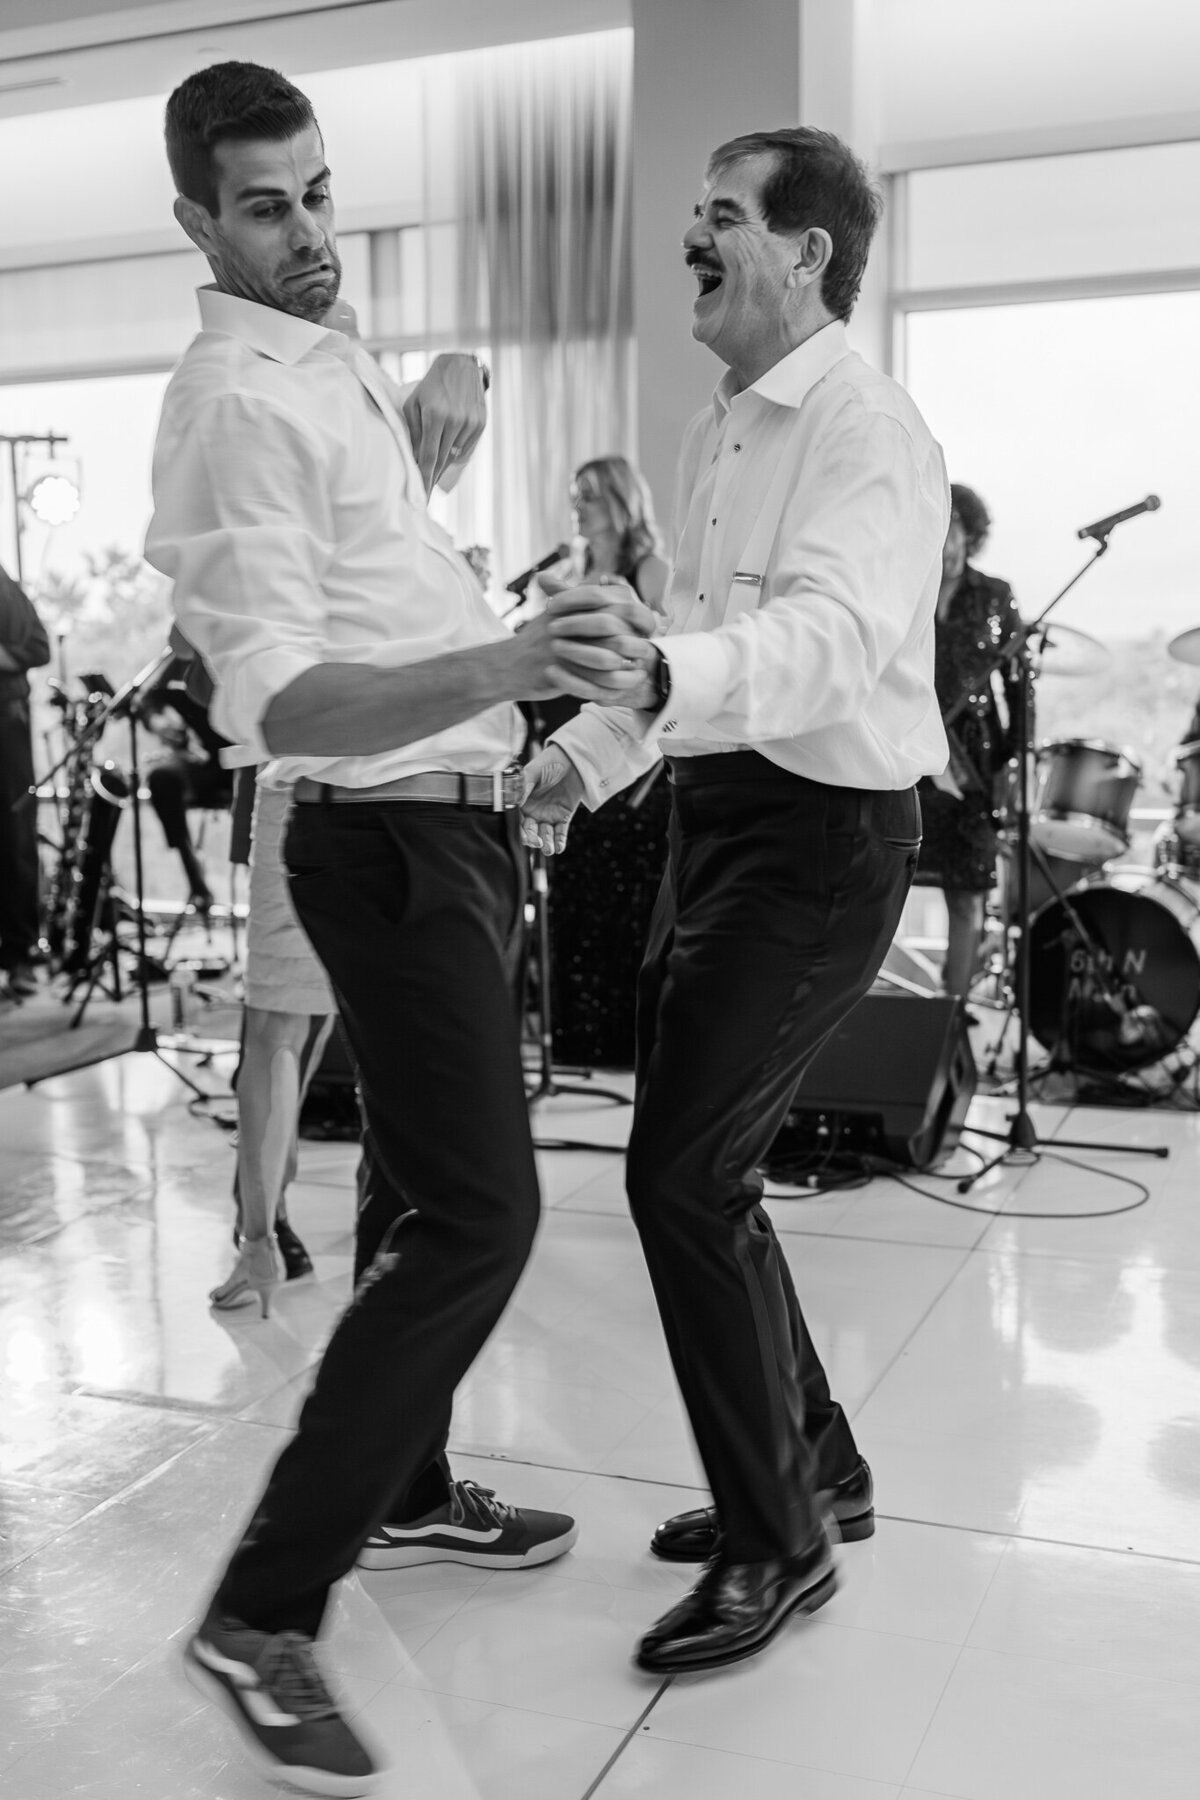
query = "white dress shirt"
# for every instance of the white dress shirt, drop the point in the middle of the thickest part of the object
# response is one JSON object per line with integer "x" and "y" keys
{"x": 821, "y": 658}
{"x": 290, "y": 513}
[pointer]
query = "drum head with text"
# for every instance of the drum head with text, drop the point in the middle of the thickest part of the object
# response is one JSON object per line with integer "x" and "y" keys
{"x": 1114, "y": 979}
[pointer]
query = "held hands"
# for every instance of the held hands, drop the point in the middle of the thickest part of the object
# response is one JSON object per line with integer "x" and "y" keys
{"x": 604, "y": 632}
{"x": 553, "y": 789}
{"x": 445, "y": 414}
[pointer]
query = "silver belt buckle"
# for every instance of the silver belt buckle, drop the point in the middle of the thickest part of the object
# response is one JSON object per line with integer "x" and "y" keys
{"x": 507, "y": 788}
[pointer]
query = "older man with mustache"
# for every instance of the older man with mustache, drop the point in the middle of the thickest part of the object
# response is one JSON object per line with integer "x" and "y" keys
{"x": 792, "y": 695}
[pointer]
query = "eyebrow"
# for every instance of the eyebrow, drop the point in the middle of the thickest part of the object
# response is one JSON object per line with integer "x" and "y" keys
{"x": 278, "y": 193}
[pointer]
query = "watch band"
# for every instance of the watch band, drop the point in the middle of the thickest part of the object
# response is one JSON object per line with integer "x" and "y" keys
{"x": 662, "y": 680}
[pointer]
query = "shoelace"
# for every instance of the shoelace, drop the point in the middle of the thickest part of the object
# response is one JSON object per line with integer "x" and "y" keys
{"x": 287, "y": 1668}
{"x": 482, "y": 1502}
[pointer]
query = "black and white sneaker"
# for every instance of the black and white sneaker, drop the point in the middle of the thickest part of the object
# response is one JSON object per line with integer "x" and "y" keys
{"x": 472, "y": 1526}
{"x": 270, "y": 1685}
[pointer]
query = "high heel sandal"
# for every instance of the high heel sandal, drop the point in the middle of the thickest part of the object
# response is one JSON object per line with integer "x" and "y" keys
{"x": 296, "y": 1260}
{"x": 255, "y": 1275}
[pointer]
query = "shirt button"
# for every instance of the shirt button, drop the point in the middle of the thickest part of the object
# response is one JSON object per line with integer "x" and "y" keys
{"x": 714, "y": 521}
{"x": 737, "y": 446}
{"x": 702, "y": 596}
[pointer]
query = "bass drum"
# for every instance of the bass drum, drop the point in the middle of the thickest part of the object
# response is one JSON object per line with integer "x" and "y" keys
{"x": 1114, "y": 970}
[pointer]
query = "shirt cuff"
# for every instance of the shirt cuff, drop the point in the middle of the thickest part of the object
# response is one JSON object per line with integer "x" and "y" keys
{"x": 700, "y": 675}
{"x": 245, "y": 692}
{"x": 606, "y": 748}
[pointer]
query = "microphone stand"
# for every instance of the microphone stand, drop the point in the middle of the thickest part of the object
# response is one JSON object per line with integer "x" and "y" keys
{"x": 547, "y": 1086}
{"x": 1021, "y": 1142}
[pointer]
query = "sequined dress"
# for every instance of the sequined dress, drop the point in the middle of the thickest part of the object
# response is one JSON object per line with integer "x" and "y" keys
{"x": 960, "y": 838}
{"x": 602, "y": 892}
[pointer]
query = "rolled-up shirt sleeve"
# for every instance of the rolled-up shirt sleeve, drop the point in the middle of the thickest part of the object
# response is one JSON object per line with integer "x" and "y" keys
{"x": 243, "y": 527}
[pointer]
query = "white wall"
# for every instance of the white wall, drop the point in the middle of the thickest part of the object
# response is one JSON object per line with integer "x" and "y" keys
{"x": 704, "y": 71}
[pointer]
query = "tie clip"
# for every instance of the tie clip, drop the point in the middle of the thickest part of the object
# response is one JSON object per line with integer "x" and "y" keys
{"x": 750, "y": 580}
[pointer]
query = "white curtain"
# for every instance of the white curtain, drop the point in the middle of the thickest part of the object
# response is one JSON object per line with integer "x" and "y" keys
{"x": 545, "y": 277}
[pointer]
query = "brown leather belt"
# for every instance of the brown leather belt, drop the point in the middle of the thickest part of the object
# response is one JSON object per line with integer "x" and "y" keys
{"x": 497, "y": 792}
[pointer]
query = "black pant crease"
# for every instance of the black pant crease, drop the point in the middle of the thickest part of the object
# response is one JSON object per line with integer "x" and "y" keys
{"x": 412, "y": 909}
{"x": 779, "y": 901}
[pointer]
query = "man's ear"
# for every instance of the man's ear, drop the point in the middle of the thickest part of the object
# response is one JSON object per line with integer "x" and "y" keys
{"x": 814, "y": 248}
{"x": 197, "y": 221}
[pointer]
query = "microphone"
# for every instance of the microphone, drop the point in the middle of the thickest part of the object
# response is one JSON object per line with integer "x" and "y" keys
{"x": 1102, "y": 527}
{"x": 520, "y": 582}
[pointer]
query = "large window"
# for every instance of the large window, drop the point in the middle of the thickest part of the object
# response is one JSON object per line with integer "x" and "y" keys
{"x": 1048, "y": 325}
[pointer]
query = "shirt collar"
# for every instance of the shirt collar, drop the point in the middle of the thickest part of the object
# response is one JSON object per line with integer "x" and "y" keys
{"x": 282, "y": 336}
{"x": 794, "y": 376}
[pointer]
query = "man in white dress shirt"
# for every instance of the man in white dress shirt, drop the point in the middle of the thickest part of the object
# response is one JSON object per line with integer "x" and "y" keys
{"x": 354, "y": 653}
{"x": 792, "y": 694}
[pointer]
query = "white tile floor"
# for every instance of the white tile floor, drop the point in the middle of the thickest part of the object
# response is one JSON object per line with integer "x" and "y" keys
{"x": 1024, "y": 1626}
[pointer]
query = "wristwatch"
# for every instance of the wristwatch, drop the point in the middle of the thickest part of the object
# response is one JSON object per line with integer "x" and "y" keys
{"x": 662, "y": 680}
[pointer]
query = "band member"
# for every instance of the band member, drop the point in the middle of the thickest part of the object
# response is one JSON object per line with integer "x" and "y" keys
{"x": 792, "y": 693}
{"x": 354, "y": 653}
{"x": 976, "y": 614}
{"x": 189, "y": 773}
{"x": 23, "y": 646}
{"x": 619, "y": 851}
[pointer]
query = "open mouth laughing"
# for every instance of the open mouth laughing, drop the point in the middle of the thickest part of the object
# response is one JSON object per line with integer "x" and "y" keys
{"x": 708, "y": 275}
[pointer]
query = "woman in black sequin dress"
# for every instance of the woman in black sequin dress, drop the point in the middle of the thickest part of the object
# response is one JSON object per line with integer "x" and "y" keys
{"x": 602, "y": 890}
{"x": 976, "y": 614}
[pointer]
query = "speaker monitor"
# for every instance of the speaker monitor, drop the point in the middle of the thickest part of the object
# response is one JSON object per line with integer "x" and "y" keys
{"x": 894, "y": 1080}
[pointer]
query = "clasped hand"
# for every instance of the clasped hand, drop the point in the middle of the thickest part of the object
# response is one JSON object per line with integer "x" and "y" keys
{"x": 604, "y": 633}
{"x": 601, "y": 638}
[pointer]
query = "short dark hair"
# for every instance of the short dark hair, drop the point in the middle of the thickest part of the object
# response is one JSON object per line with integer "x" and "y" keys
{"x": 972, "y": 515}
{"x": 815, "y": 180}
{"x": 224, "y": 103}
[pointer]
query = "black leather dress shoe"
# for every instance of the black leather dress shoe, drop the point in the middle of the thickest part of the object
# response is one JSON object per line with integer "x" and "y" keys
{"x": 735, "y": 1609}
{"x": 848, "y": 1506}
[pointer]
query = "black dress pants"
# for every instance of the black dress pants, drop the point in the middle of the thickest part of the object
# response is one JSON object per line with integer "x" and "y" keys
{"x": 780, "y": 898}
{"x": 412, "y": 909}
{"x": 18, "y": 833}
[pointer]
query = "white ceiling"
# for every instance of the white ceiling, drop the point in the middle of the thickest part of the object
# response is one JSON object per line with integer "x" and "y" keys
{"x": 57, "y": 53}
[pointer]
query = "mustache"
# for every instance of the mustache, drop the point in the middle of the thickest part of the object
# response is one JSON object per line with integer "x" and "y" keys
{"x": 696, "y": 259}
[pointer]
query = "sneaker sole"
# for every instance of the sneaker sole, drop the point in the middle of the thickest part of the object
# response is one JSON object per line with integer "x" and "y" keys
{"x": 309, "y": 1781}
{"x": 409, "y": 1556}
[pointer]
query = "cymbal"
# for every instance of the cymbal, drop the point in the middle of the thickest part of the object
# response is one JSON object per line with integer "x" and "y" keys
{"x": 1186, "y": 647}
{"x": 1064, "y": 650}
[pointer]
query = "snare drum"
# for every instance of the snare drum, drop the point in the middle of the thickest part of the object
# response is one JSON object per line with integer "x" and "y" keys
{"x": 1114, "y": 970}
{"x": 1187, "y": 809}
{"x": 1084, "y": 795}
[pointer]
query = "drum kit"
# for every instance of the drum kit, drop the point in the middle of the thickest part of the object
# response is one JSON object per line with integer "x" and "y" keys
{"x": 1113, "y": 951}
